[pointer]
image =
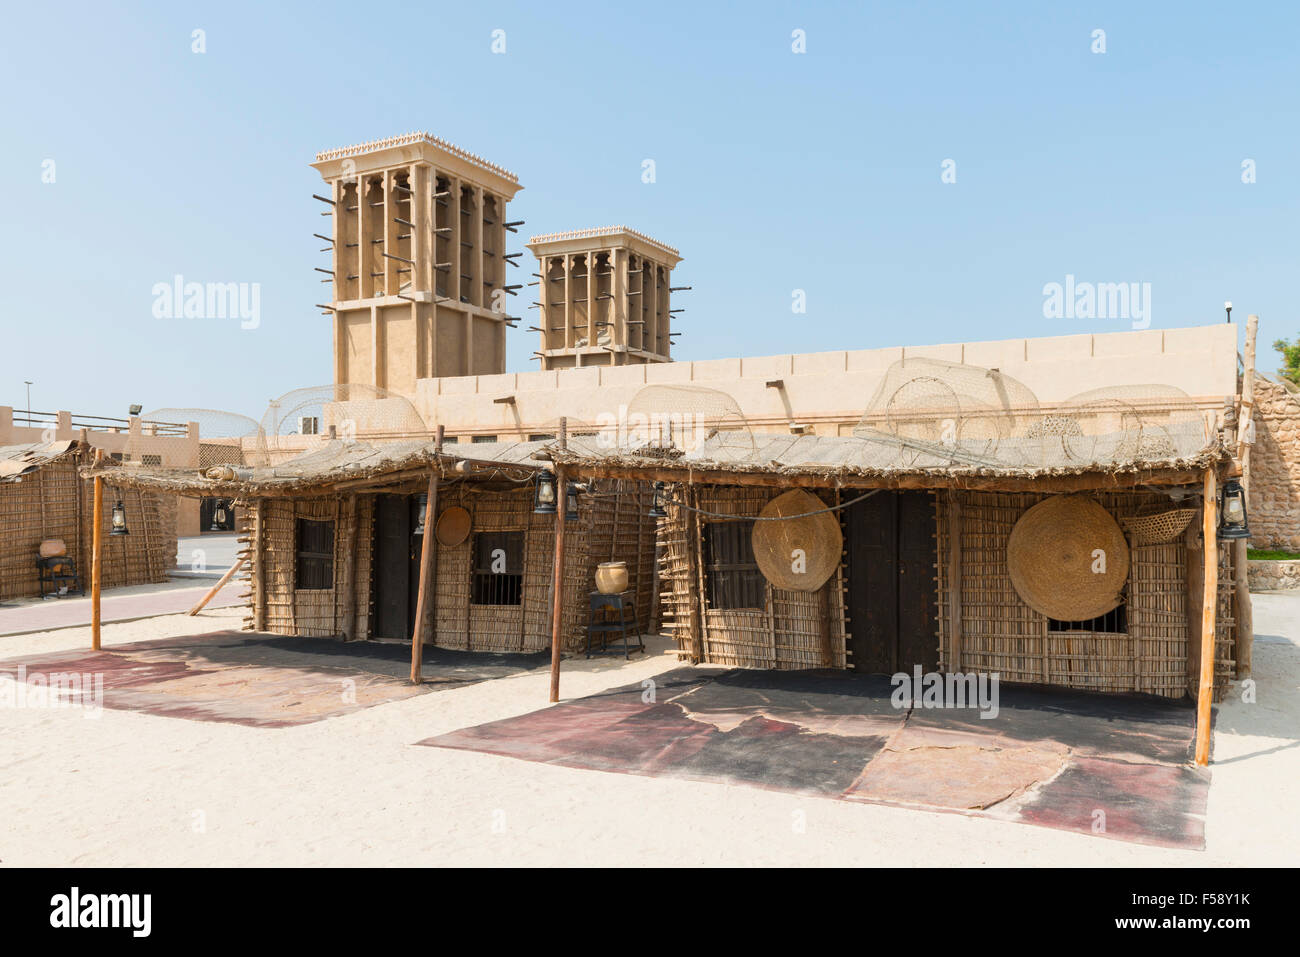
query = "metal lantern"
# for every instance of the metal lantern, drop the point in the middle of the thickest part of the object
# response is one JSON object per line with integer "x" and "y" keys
{"x": 424, "y": 510}
{"x": 1232, "y": 512}
{"x": 658, "y": 502}
{"x": 218, "y": 517}
{"x": 544, "y": 494}
{"x": 571, "y": 502}
{"x": 119, "y": 520}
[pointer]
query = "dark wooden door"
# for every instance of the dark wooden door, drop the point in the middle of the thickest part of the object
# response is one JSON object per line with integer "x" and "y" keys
{"x": 396, "y": 565}
{"x": 918, "y": 608}
{"x": 891, "y": 598}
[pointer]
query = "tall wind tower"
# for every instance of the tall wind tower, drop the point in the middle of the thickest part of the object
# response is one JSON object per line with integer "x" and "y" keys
{"x": 604, "y": 297}
{"x": 418, "y": 269}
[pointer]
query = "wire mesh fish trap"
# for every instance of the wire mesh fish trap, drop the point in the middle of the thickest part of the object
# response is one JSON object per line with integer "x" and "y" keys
{"x": 307, "y": 420}
{"x": 225, "y": 438}
{"x": 1118, "y": 425}
{"x": 683, "y": 417}
{"x": 933, "y": 413}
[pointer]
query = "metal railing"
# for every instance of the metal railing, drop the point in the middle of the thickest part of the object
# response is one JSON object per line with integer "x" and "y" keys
{"x": 100, "y": 423}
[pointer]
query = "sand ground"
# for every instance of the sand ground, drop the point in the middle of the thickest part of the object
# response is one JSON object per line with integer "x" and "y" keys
{"x": 135, "y": 789}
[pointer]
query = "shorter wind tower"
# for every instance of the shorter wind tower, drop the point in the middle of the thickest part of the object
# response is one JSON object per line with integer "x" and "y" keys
{"x": 605, "y": 298}
{"x": 418, "y": 266}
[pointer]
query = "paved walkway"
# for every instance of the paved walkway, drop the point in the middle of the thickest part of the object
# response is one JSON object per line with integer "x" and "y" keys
{"x": 199, "y": 556}
{"x": 121, "y": 604}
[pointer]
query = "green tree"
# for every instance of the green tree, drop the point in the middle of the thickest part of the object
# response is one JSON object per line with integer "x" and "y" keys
{"x": 1290, "y": 359}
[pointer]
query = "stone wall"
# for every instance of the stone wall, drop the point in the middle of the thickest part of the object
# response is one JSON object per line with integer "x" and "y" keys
{"x": 1275, "y": 468}
{"x": 1272, "y": 576}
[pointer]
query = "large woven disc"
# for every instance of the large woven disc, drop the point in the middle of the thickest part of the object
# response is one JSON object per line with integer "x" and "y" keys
{"x": 453, "y": 526}
{"x": 1053, "y": 559}
{"x": 800, "y": 553}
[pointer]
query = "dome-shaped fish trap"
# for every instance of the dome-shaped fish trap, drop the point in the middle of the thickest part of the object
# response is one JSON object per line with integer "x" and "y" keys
{"x": 933, "y": 413}
{"x": 306, "y": 420}
{"x": 685, "y": 417}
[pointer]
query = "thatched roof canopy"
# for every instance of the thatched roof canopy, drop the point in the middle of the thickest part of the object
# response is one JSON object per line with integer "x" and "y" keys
{"x": 17, "y": 460}
{"x": 339, "y": 464}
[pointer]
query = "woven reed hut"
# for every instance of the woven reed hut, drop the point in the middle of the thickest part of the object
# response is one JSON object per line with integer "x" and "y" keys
{"x": 331, "y": 546}
{"x": 919, "y": 573}
{"x": 43, "y": 497}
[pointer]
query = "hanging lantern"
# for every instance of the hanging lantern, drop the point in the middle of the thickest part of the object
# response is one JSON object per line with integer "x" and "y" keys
{"x": 119, "y": 520}
{"x": 1232, "y": 512}
{"x": 218, "y": 517}
{"x": 571, "y": 502}
{"x": 544, "y": 494}
{"x": 424, "y": 510}
{"x": 658, "y": 502}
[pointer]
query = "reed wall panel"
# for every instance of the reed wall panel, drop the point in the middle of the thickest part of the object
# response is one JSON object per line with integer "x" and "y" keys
{"x": 54, "y": 501}
{"x": 1000, "y": 633}
{"x": 794, "y": 630}
{"x": 612, "y": 516}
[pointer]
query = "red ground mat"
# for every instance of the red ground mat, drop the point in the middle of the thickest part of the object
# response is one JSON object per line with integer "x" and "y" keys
{"x": 1110, "y": 766}
{"x": 264, "y": 681}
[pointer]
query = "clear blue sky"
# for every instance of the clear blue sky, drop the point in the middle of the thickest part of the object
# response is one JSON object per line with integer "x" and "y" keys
{"x": 775, "y": 171}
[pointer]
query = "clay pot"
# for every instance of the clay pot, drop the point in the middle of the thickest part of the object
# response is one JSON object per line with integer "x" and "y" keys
{"x": 611, "y": 577}
{"x": 53, "y": 548}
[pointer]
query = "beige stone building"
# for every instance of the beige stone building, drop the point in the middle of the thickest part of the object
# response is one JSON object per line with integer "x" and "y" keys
{"x": 419, "y": 278}
{"x": 147, "y": 443}
{"x": 825, "y": 393}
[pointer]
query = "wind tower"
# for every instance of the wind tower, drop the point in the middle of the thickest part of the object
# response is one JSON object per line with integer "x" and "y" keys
{"x": 604, "y": 297}
{"x": 418, "y": 266}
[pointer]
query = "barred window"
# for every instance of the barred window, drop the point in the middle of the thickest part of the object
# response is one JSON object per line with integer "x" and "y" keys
{"x": 315, "y": 554}
{"x": 498, "y": 566}
{"x": 1114, "y": 622}
{"x": 151, "y": 459}
{"x": 731, "y": 575}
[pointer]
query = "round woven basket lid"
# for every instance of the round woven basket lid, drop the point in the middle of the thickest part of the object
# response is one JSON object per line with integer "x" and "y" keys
{"x": 453, "y": 526}
{"x": 799, "y": 553}
{"x": 1068, "y": 558}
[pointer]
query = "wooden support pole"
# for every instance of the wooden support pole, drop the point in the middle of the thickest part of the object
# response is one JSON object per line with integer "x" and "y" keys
{"x": 1209, "y": 605}
{"x": 96, "y": 559}
{"x": 1247, "y": 411}
{"x": 557, "y": 589}
{"x": 1049, "y": 483}
{"x": 425, "y": 599}
{"x": 212, "y": 592}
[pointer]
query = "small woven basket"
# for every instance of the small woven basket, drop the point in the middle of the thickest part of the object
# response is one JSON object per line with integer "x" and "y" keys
{"x": 1159, "y": 529}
